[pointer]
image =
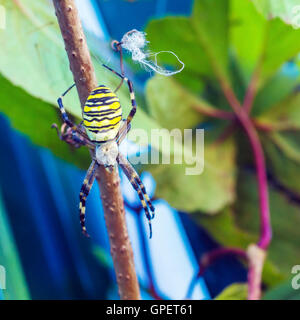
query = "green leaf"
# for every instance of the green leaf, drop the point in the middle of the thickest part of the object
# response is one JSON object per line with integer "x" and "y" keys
{"x": 287, "y": 10}
{"x": 283, "y": 155}
{"x": 171, "y": 105}
{"x": 210, "y": 22}
{"x": 182, "y": 41}
{"x": 284, "y": 291}
{"x": 236, "y": 291}
{"x": 262, "y": 41}
{"x": 192, "y": 37}
{"x": 283, "y": 251}
{"x": 210, "y": 191}
{"x": 33, "y": 55}
{"x": 34, "y": 117}
{"x": 271, "y": 95}
{"x": 285, "y": 114}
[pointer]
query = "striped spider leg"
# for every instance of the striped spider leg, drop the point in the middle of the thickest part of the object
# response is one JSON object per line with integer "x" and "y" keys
{"x": 84, "y": 192}
{"x": 77, "y": 136}
{"x": 65, "y": 133}
{"x": 132, "y": 95}
{"x": 138, "y": 186}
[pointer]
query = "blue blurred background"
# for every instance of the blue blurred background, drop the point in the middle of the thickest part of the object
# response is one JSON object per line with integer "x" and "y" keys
{"x": 42, "y": 248}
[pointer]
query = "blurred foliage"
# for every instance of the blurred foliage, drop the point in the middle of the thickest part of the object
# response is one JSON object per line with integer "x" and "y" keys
{"x": 284, "y": 291}
{"x": 286, "y": 10}
{"x": 236, "y": 291}
{"x": 16, "y": 287}
{"x": 222, "y": 41}
{"x": 225, "y": 41}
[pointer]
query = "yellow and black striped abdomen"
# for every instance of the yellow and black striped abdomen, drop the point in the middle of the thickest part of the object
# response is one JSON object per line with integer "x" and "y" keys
{"x": 102, "y": 115}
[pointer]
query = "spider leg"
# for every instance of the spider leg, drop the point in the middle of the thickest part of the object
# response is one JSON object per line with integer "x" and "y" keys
{"x": 62, "y": 108}
{"x": 131, "y": 91}
{"x": 132, "y": 172}
{"x": 84, "y": 192}
{"x": 65, "y": 116}
{"x": 55, "y": 126}
{"x": 122, "y": 132}
{"x": 138, "y": 186}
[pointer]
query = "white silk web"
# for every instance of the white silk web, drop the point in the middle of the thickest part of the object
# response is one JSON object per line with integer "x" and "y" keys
{"x": 135, "y": 41}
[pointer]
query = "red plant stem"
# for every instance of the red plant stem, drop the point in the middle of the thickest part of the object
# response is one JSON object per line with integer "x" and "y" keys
{"x": 215, "y": 113}
{"x": 259, "y": 158}
{"x": 256, "y": 260}
{"x": 251, "y": 91}
{"x": 211, "y": 257}
{"x": 266, "y": 232}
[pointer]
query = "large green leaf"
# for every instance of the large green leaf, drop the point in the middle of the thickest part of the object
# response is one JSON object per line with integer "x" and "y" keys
{"x": 33, "y": 55}
{"x": 262, "y": 46}
{"x": 34, "y": 117}
{"x": 210, "y": 191}
{"x": 171, "y": 106}
{"x": 287, "y": 10}
{"x": 191, "y": 38}
{"x": 210, "y": 20}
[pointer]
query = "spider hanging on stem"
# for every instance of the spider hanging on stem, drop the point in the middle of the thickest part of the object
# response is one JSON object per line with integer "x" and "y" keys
{"x": 102, "y": 130}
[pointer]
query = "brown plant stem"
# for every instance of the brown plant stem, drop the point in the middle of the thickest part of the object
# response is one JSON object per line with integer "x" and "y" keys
{"x": 109, "y": 182}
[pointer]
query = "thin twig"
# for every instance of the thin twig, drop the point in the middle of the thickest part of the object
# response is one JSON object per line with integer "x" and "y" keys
{"x": 109, "y": 182}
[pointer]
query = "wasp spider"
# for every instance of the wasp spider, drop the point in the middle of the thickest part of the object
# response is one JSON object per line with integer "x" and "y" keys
{"x": 104, "y": 131}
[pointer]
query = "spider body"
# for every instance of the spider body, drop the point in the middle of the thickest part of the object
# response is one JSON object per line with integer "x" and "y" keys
{"x": 107, "y": 153}
{"x": 102, "y": 115}
{"x": 104, "y": 131}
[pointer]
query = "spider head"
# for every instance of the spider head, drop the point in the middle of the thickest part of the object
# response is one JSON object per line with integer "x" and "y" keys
{"x": 106, "y": 153}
